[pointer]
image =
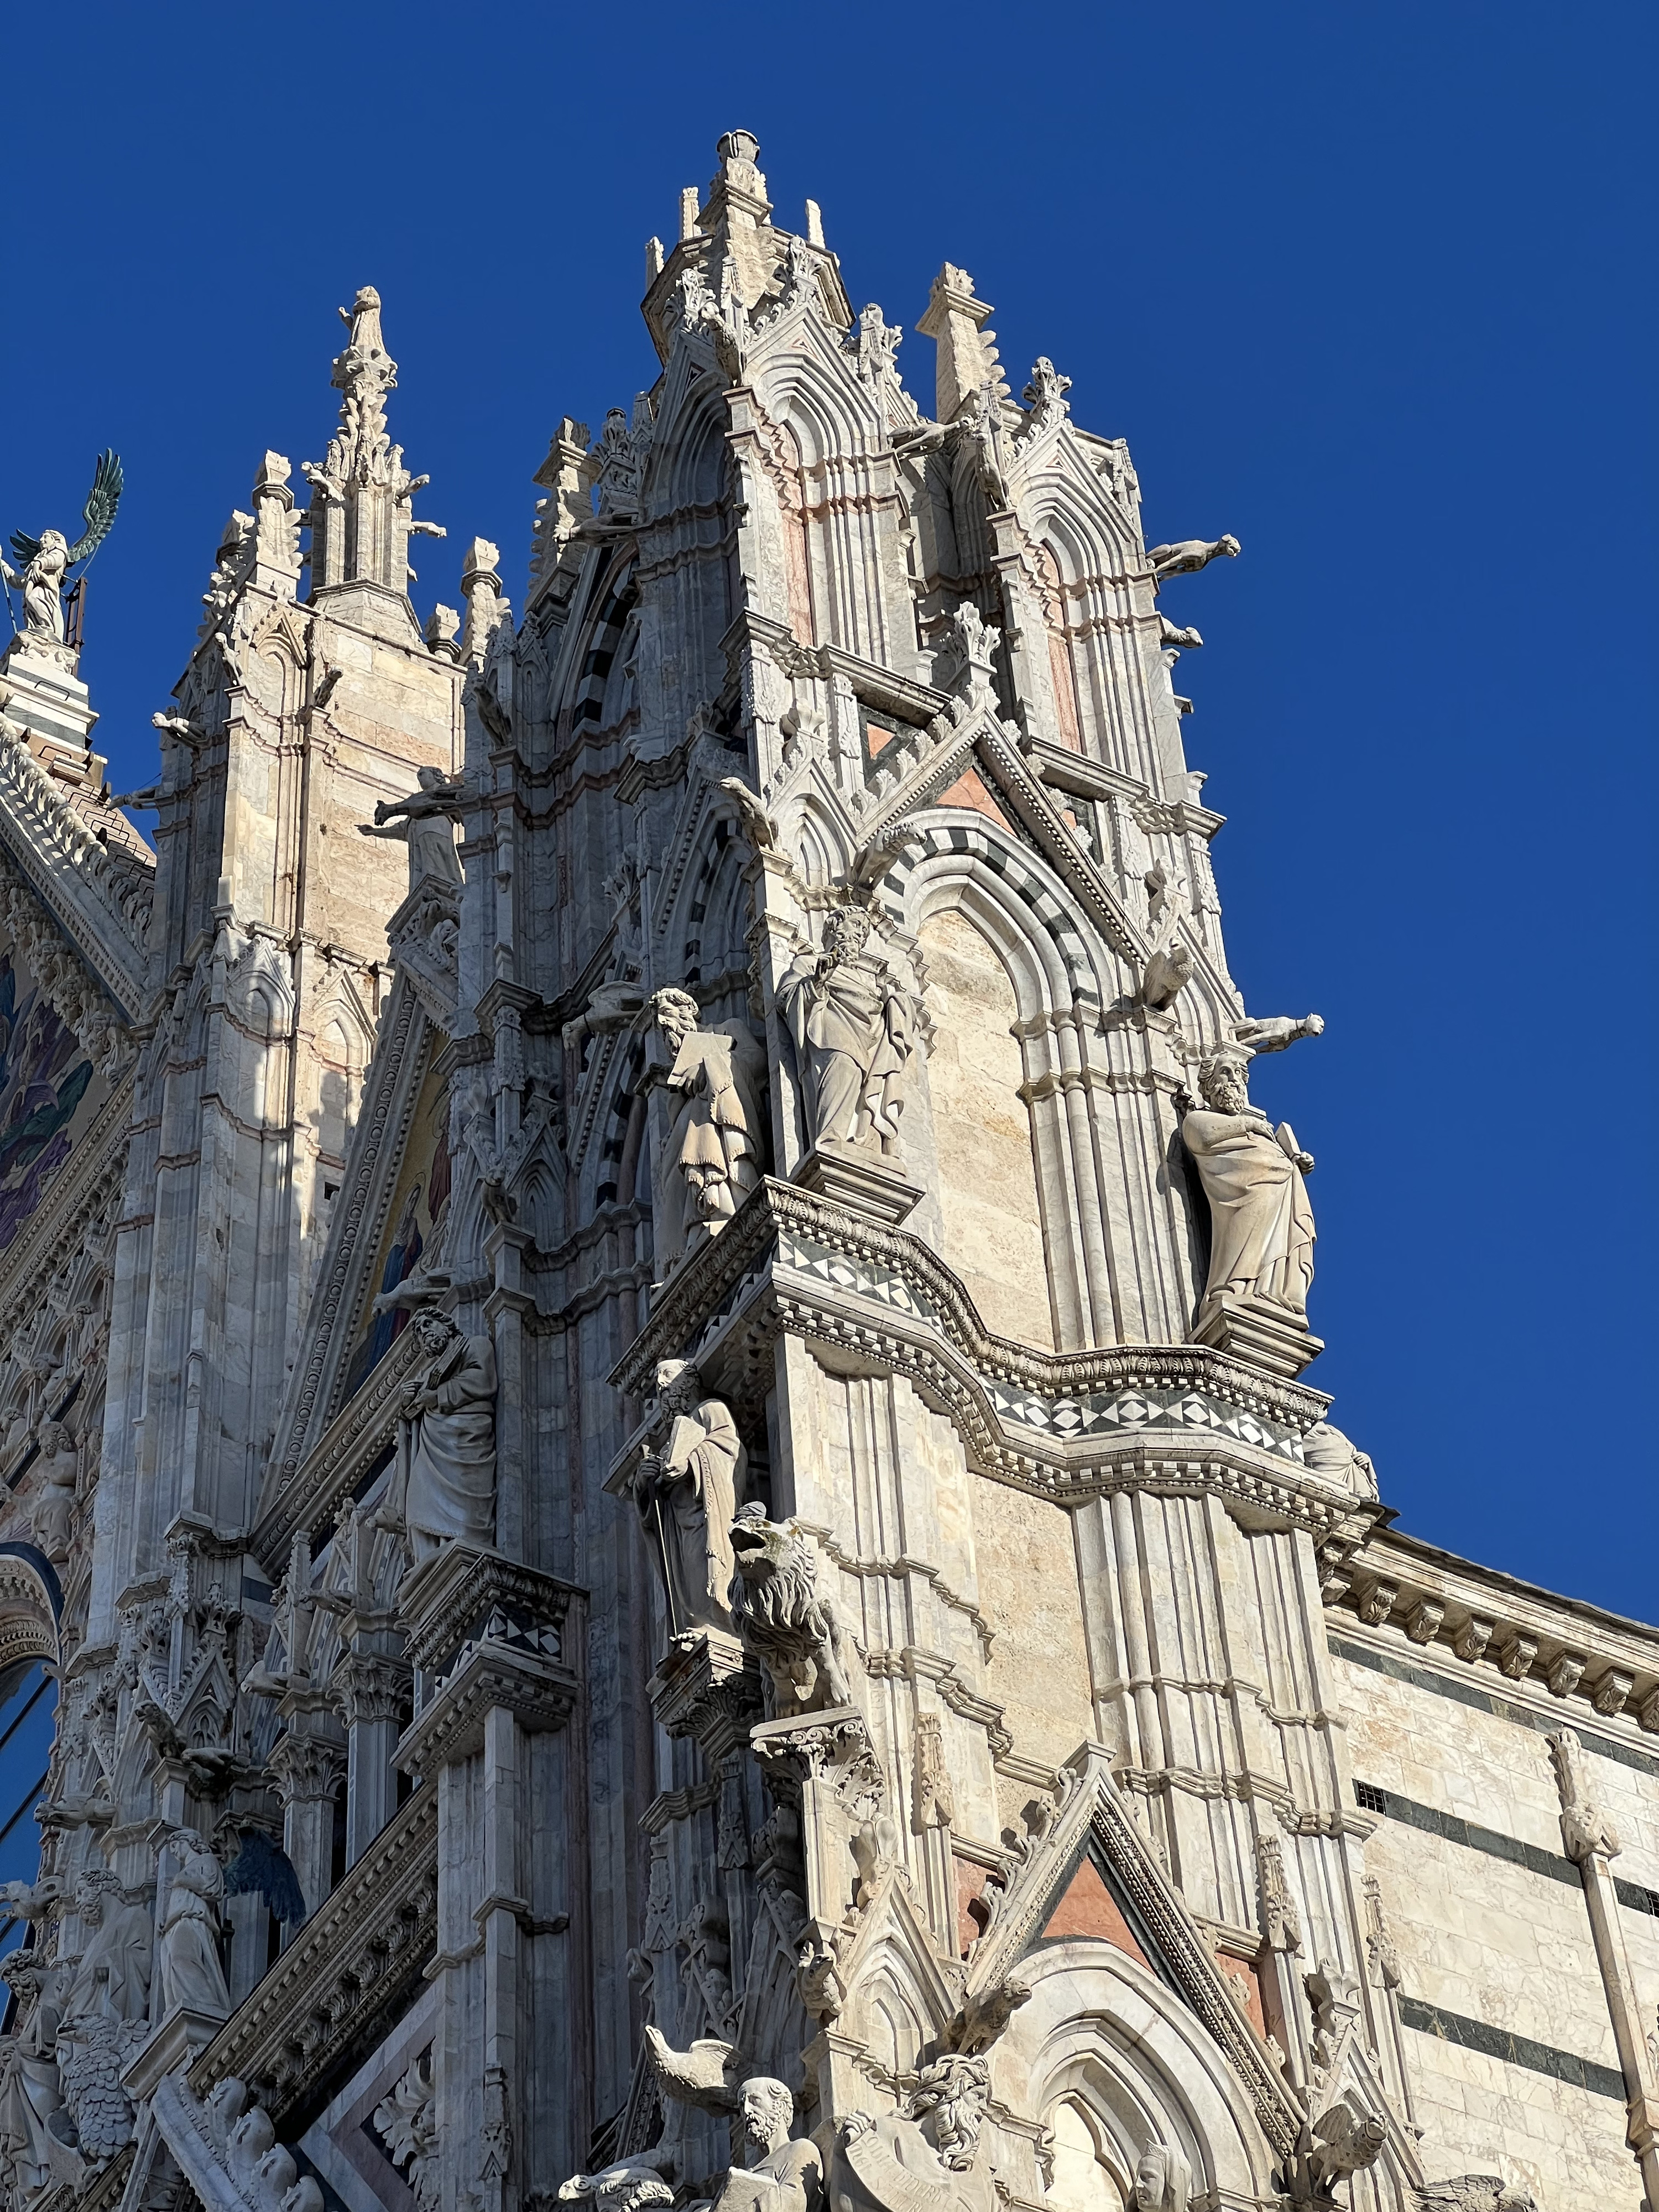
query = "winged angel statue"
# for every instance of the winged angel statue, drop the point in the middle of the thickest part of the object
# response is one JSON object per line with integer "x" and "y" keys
{"x": 48, "y": 558}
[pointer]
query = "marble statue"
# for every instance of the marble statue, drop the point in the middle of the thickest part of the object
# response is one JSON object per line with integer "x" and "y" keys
{"x": 784, "y": 1619}
{"x": 426, "y": 826}
{"x": 111, "y": 1979}
{"x": 1262, "y": 1231}
{"x": 776, "y": 2175}
{"x": 715, "y": 1142}
{"x": 1276, "y": 1032}
{"x": 1162, "y": 2180}
{"x": 853, "y": 1028}
{"x": 686, "y": 1488}
{"x": 188, "y": 1969}
{"x": 445, "y": 1485}
{"x": 29, "y": 2089}
{"x": 48, "y": 558}
{"x": 1189, "y": 554}
{"x": 53, "y": 1509}
{"x": 925, "y": 2157}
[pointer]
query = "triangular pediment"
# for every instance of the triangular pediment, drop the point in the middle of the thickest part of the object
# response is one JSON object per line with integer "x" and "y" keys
{"x": 1092, "y": 1877}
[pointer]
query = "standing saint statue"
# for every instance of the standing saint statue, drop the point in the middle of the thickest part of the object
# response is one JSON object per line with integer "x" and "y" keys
{"x": 427, "y": 826}
{"x": 48, "y": 558}
{"x": 714, "y": 1143}
{"x": 686, "y": 1488}
{"x": 853, "y": 1027}
{"x": 444, "y": 1488}
{"x": 1261, "y": 1230}
{"x": 188, "y": 1937}
{"x": 111, "y": 1979}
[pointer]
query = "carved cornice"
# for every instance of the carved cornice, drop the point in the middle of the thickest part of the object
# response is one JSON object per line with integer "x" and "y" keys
{"x": 101, "y": 908}
{"x": 1180, "y": 1417}
{"x": 343, "y": 1978}
{"x": 1435, "y": 1608}
{"x": 342, "y": 1456}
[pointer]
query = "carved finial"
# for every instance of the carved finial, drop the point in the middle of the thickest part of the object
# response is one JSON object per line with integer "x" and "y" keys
{"x": 1045, "y": 395}
{"x": 956, "y": 320}
{"x": 361, "y": 520}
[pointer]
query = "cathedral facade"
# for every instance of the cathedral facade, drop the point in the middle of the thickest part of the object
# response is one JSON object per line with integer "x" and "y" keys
{"x": 654, "y": 1382}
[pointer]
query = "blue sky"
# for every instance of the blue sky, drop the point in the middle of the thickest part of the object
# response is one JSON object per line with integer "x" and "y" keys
{"x": 1369, "y": 286}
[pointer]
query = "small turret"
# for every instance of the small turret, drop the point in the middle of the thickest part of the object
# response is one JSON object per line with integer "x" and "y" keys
{"x": 362, "y": 494}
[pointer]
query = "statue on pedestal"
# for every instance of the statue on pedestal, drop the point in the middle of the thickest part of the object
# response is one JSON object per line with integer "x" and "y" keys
{"x": 48, "y": 558}
{"x": 853, "y": 1029}
{"x": 686, "y": 1489}
{"x": 1261, "y": 1230}
{"x": 111, "y": 1979}
{"x": 714, "y": 1143}
{"x": 445, "y": 1485}
{"x": 187, "y": 1940}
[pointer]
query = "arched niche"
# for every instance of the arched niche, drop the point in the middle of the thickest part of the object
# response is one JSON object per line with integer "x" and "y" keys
{"x": 990, "y": 1211}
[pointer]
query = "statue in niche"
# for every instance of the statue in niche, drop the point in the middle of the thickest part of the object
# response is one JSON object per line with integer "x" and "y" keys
{"x": 427, "y": 826}
{"x": 853, "y": 1028}
{"x": 48, "y": 558}
{"x": 686, "y": 1489}
{"x": 59, "y": 1468}
{"x": 925, "y": 2157}
{"x": 1262, "y": 1231}
{"x": 714, "y": 1143}
{"x": 784, "y": 1619}
{"x": 29, "y": 2090}
{"x": 1164, "y": 2180}
{"x": 444, "y": 1487}
{"x": 111, "y": 1981}
{"x": 187, "y": 1940}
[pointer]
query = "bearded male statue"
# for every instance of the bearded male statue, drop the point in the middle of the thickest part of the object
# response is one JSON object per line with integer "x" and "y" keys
{"x": 853, "y": 1027}
{"x": 1261, "y": 1230}
{"x": 686, "y": 1488}
{"x": 926, "y": 2156}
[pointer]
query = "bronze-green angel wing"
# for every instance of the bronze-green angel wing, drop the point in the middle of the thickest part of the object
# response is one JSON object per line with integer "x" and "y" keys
{"x": 98, "y": 512}
{"x": 24, "y": 546}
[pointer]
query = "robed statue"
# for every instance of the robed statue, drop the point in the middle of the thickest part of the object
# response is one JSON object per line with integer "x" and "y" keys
{"x": 852, "y": 1025}
{"x": 686, "y": 1488}
{"x": 443, "y": 1487}
{"x": 48, "y": 558}
{"x": 1261, "y": 1228}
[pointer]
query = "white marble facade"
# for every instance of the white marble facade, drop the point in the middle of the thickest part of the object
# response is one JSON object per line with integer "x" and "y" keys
{"x": 655, "y": 1409}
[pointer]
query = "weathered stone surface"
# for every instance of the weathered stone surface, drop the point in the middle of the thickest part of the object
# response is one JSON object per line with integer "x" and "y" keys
{"x": 663, "y": 1421}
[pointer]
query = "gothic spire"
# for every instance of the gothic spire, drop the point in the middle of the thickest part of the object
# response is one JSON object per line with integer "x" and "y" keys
{"x": 361, "y": 522}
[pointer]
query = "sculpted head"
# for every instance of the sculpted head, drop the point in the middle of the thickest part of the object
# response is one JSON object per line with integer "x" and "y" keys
{"x": 846, "y": 932}
{"x": 430, "y": 779}
{"x": 677, "y": 1014}
{"x": 1223, "y": 1083}
{"x": 948, "y": 2100}
{"x": 434, "y": 1332}
{"x": 679, "y": 1386}
{"x": 93, "y": 1891}
{"x": 53, "y": 541}
{"x": 768, "y": 2107}
{"x": 1160, "y": 2180}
